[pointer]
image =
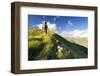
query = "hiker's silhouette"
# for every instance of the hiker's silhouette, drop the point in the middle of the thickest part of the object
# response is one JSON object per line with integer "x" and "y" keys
{"x": 45, "y": 28}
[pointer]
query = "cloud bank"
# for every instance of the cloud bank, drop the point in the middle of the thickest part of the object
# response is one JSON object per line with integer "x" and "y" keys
{"x": 51, "y": 26}
{"x": 75, "y": 33}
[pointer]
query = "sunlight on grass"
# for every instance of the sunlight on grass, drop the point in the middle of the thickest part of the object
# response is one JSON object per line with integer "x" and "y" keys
{"x": 33, "y": 44}
{"x": 80, "y": 41}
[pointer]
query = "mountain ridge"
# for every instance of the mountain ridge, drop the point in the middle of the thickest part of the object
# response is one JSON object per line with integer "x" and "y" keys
{"x": 44, "y": 46}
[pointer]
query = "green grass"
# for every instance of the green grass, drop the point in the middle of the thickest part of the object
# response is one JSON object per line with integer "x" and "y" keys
{"x": 43, "y": 46}
{"x": 33, "y": 44}
{"x": 80, "y": 41}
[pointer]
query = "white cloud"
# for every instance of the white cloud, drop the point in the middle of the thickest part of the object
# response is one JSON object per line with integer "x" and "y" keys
{"x": 33, "y": 25}
{"x": 40, "y": 26}
{"x": 69, "y": 23}
{"x": 51, "y": 26}
{"x": 75, "y": 33}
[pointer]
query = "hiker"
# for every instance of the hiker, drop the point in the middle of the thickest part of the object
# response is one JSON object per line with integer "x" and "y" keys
{"x": 45, "y": 27}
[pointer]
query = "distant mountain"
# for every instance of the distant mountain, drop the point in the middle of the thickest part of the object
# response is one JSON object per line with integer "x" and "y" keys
{"x": 42, "y": 46}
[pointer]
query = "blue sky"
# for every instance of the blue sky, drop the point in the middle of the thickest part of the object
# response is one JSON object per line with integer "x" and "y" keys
{"x": 61, "y": 23}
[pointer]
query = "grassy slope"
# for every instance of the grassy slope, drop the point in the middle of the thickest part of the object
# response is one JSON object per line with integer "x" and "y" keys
{"x": 80, "y": 41}
{"x": 44, "y": 46}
